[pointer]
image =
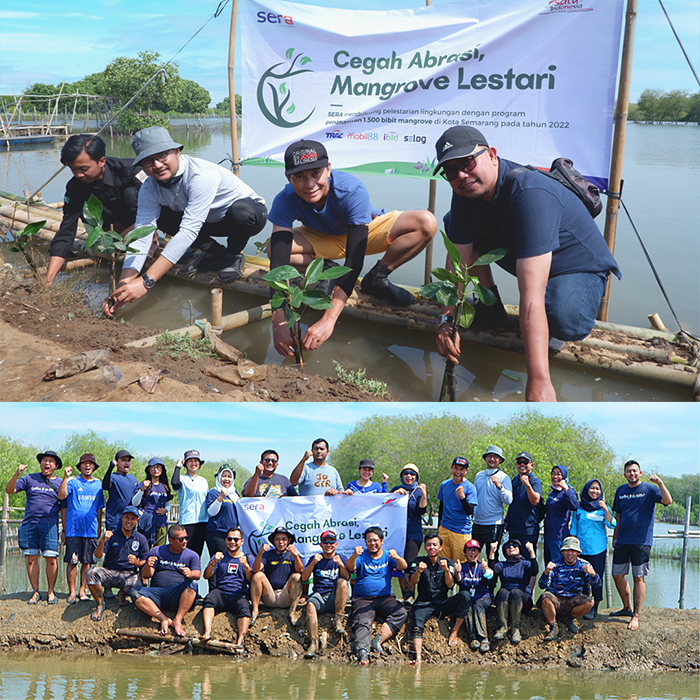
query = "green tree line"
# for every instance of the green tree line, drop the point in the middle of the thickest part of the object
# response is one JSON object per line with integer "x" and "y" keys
{"x": 14, "y": 453}
{"x": 656, "y": 106}
{"x": 433, "y": 441}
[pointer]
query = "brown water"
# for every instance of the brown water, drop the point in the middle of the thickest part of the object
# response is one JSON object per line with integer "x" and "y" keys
{"x": 407, "y": 360}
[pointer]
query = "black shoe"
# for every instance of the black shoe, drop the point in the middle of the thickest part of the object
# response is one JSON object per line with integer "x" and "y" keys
{"x": 233, "y": 269}
{"x": 212, "y": 259}
{"x": 625, "y": 612}
{"x": 592, "y": 613}
{"x": 571, "y": 625}
{"x": 553, "y": 633}
{"x": 327, "y": 286}
{"x": 376, "y": 284}
{"x": 189, "y": 255}
{"x": 489, "y": 316}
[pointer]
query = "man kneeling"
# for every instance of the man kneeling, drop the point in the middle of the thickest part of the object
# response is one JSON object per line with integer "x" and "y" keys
{"x": 233, "y": 574}
{"x": 125, "y": 552}
{"x": 173, "y": 570}
{"x": 372, "y": 594}
{"x": 564, "y": 584}
{"x": 330, "y": 591}
{"x": 277, "y": 575}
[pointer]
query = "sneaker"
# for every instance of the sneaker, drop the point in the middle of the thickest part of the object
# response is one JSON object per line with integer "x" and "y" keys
{"x": 501, "y": 632}
{"x": 474, "y": 644}
{"x": 571, "y": 624}
{"x": 327, "y": 286}
{"x": 515, "y": 636}
{"x": 189, "y": 255}
{"x": 233, "y": 269}
{"x": 625, "y": 612}
{"x": 484, "y": 646}
{"x": 214, "y": 258}
{"x": 377, "y": 643}
{"x": 553, "y": 633}
{"x": 376, "y": 284}
{"x": 311, "y": 651}
{"x": 592, "y": 613}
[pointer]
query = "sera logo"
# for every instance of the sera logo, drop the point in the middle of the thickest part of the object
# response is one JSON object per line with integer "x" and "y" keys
{"x": 253, "y": 506}
{"x": 335, "y": 134}
{"x": 272, "y": 18}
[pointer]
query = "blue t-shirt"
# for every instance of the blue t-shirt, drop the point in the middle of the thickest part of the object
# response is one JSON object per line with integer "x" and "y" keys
{"x": 277, "y": 567}
{"x": 523, "y": 518}
{"x": 118, "y": 548}
{"x": 372, "y": 487}
{"x": 84, "y": 499}
{"x": 226, "y": 518}
{"x": 230, "y": 576}
{"x": 373, "y": 575}
{"x": 454, "y": 518}
{"x": 567, "y": 581}
{"x": 559, "y": 506}
{"x": 121, "y": 490}
{"x": 541, "y": 216}
{"x": 516, "y": 573}
{"x": 316, "y": 480}
{"x": 635, "y": 506}
{"x": 156, "y": 498}
{"x": 42, "y": 500}
{"x": 326, "y": 574}
{"x": 347, "y": 205}
{"x": 414, "y": 526}
{"x": 168, "y": 569}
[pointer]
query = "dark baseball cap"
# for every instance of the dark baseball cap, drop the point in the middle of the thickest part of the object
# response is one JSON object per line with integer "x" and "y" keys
{"x": 457, "y": 142}
{"x": 133, "y": 510}
{"x": 366, "y": 463}
{"x": 123, "y": 453}
{"x": 328, "y": 536}
{"x": 525, "y": 455}
{"x": 461, "y": 461}
{"x": 193, "y": 454}
{"x": 305, "y": 155}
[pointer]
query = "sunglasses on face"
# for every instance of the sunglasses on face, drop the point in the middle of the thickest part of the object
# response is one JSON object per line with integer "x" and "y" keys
{"x": 268, "y": 459}
{"x": 521, "y": 461}
{"x": 234, "y": 539}
{"x": 466, "y": 165}
{"x": 180, "y": 539}
{"x": 328, "y": 541}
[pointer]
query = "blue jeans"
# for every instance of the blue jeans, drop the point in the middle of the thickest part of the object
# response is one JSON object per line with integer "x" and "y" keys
{"x": 572, "y": 303}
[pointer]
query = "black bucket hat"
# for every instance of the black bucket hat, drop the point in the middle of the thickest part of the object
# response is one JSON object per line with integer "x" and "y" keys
{"x": 50, "y": 453}
{"x": 281, "y": 531}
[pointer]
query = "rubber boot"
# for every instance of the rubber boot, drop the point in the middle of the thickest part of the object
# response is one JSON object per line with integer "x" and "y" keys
{"x": 311, "y": 651}
{"x": 376, "y": 284}
{"x": 553, "y": 633}
{"x": 515, "y": 636}
{"x": 592, "y": 613}
{"x": 516, "y": 610}
{"x": 502, "y": 630}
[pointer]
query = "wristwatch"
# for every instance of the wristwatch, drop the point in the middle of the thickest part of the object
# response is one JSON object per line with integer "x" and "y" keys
{"x": 148, "y": 282}
{"x": 442, "y": 319}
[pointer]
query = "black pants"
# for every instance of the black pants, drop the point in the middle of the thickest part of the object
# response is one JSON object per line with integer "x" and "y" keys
{"x": 364, "y": 610}
{"x": 456, "y": 605}
{"x": 485, "y": 534}
{"x": 244, "y": 219}
{"x": 196, "y": 532}
{"x": 597, "y": 561}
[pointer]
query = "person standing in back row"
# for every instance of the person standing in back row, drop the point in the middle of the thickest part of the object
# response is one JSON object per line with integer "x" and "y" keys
{"x": 458, "y": 499}
{"x": 316, "y": 478}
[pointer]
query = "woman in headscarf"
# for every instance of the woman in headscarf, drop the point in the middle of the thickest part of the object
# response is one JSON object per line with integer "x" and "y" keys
{"x": 561, "y": 502}
{"x": 221, "y": 508}
{"x": 589, "y": 523}
{"x": 417, "y": 506}
{"x": 514, "y": 595}
{"x": 192, "y": 493}
{"x": 151, "y": 499}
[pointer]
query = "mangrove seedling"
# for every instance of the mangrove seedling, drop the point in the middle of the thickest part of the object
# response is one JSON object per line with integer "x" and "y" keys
{"x": 294, "y": 297}
{"x": 22, "y": 238}
{"x": 109, "y": 243}
{"x": 451, "y": 289}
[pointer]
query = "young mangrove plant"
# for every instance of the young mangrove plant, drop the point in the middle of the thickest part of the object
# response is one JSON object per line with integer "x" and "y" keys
{"x": 294, "y": 297}
{"x": 109, "y": 243}
{"x": 451, "y": 289}
{"x": 23, "y": 238}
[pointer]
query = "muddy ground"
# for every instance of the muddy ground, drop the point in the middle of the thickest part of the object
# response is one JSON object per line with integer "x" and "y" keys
{"x": 38, "y": 329}
{"x": 668, "y": 640}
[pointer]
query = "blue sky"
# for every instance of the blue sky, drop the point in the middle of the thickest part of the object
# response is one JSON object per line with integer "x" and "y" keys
{"x": 51, "y": 41}
{"x": 663, "y": 437}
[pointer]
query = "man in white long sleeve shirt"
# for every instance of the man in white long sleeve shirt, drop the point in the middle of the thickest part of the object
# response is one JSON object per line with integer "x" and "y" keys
{"x": 193, "y": 200}
{"x": 494, "y": 490}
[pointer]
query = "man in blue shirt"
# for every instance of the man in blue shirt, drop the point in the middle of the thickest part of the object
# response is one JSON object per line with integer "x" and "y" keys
{"x": 124, "y": 554}
{"x": 564, "y": 585}
{"x": 372, "y": 594}
{"x": 84, "y": 505}
{"x": 634, "y": 507}
{"x": 173, "y": 570}
{"x": 523, "y": 518}
{"x": 458, "y": 499}
{"x": 120, "y": 487}
{"x": 315, "y": 477}
{"x": 554, "y": 249}
{"x": 338, "y": 221}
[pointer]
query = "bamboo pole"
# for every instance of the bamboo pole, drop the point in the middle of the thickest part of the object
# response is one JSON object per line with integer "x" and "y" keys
{"x": 3, "y": 528}
{"x": 232, "y": 89}
{"x": 53, "y": 114}
{"x": 172, "y": 639}
{"x": 432, "y": 191}
{"x": 217, "y": 300}
{"x": 618, "y": 149}
{"x": 684, "y": 557}
{"x": 17, "y": 104}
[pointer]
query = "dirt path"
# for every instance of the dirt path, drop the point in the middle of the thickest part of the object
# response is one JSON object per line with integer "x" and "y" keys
{"x": 668, "y": 640}
{"x": 36, "y": 332}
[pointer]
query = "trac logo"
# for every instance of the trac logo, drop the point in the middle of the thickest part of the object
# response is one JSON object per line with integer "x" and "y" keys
{"x": 274, "y": 94}
{"x": 336, "y": 134}
{"x": 272, "y": 18}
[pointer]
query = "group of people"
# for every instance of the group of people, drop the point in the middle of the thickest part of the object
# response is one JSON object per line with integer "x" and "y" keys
{"x": 450, "y": 580}
{"x": 554, "y": 248}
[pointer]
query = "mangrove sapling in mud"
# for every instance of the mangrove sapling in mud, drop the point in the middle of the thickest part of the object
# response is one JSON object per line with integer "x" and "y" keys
{"x": 23, "y": 238}
{"x": 294, "y": 297}
{"x": 451, "y": 289}
{"x": 109, "y": 243}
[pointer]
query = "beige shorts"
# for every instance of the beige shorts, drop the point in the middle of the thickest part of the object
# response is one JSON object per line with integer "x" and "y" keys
{"x": 280, "y": 598}
{"x": 333, "y": 247}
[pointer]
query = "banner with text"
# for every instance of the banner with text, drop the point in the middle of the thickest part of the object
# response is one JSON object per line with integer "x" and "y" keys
{"x": 308, "y": 516}
{"x": 537, "y": 77}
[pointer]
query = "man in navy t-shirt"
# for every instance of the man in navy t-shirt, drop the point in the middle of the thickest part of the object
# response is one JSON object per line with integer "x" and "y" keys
{"x": 372, "y": 594}
{"x": 523, "y": 518}
{"x": 120, "y": 486}
{"x": 38, "y": 532}
{"x": 338, "y": 221}
{"x": 277, "y": 575}
{"x": 124, "y": 552}
{"x": 554, "y": 249}
{"x": 233, "y": 573}
{"x": 330, "y": 591}
{"x": 634, "y": 507}
{"x": 173, "y": 570}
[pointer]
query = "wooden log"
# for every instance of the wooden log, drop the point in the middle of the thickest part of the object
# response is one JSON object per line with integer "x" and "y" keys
{"x": 172, "y": 639}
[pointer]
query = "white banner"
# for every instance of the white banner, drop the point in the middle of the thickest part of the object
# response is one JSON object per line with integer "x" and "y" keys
{"x": 537, "y": 77}
{"x": 308, "y": 516}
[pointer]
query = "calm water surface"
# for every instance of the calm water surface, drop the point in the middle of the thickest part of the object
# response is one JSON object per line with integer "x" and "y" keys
{"x": 662, "y": 191}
